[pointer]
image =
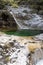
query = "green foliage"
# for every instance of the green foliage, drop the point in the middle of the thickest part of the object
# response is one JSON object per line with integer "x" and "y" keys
{"x": 37, "y": 4}
{"x": 3, "y": 3}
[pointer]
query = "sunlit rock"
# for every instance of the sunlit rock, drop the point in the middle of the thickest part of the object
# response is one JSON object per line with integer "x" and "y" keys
{"x": 17, "y": 50}
{"x": 40, "y": 62}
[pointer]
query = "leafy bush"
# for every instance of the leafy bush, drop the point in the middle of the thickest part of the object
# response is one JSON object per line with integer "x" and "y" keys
{"x": 7, "y": 2}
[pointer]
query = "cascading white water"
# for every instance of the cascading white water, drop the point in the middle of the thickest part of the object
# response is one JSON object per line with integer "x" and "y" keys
{"x": 15, "y": 19}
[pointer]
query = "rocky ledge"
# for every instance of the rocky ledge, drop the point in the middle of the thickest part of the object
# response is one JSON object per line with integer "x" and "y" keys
{"x": 17, "y": 50}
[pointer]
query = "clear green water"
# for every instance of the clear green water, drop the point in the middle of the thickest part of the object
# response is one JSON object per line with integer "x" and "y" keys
{"x": 24, "y": 32}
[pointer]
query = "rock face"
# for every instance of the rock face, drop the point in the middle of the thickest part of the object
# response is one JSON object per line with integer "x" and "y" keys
{"x": 21, "y": 17}
{"x": 7, "y": 21}
{"x": 26, "y": 19}
{"x": 37, "y": 56}
{"x": 37, "y": 5}
{"x": 16, "y": 50}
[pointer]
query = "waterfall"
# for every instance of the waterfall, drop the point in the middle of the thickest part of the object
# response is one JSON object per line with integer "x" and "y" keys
{"x": 30, "y": 21}
{"x": 19, "y": 26}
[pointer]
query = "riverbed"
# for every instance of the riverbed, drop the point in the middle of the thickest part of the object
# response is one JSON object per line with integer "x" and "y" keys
{"x": 17, "y": 50}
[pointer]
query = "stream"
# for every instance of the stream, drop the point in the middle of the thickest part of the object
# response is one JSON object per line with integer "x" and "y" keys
{"x": 25, "y": 46}
{"x": 25, "y": 19}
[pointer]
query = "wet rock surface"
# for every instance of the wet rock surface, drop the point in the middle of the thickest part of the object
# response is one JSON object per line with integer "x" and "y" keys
{"x": 26, "y": 19}
{"x": 15, "y": 50}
